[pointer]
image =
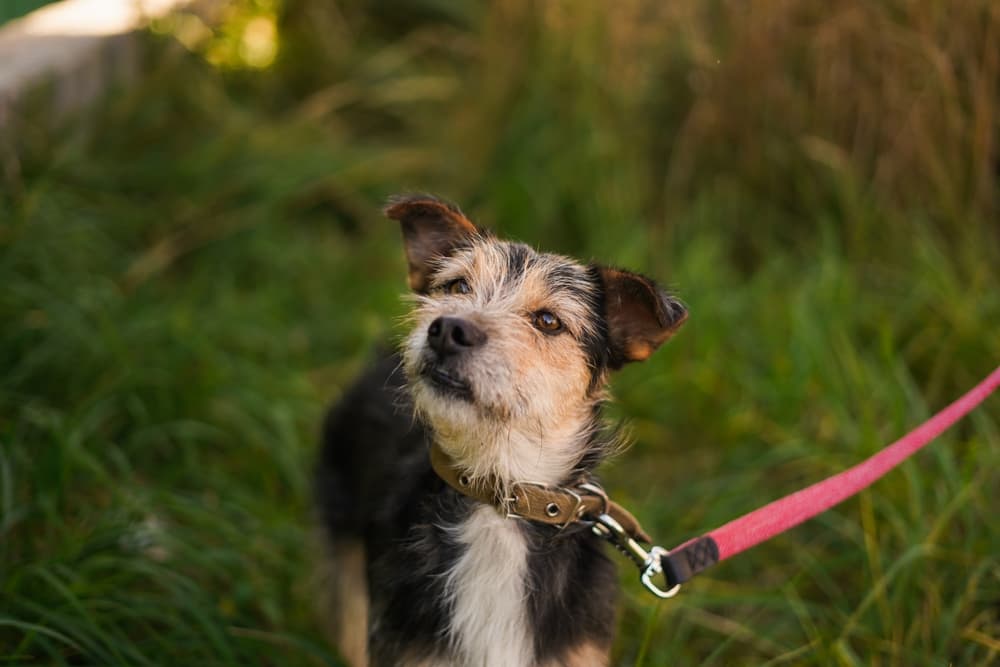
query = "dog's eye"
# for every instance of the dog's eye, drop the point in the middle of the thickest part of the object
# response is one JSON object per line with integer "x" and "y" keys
{"x": 457, "y": 286}
{"x": 547, "y": 322}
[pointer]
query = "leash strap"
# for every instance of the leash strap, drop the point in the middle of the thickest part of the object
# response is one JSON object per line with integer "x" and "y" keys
{"x": 694, "y": 556}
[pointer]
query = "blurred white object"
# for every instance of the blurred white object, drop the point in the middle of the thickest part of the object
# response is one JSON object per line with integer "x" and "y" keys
{"x": 75, "y": 47}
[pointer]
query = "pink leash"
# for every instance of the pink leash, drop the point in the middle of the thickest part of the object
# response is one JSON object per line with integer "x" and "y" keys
{"x": 690, "y": 558}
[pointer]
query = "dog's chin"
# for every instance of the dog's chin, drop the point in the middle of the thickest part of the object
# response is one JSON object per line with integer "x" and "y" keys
{"x": 446, "y": 406}
{"x": 446, "y": 383}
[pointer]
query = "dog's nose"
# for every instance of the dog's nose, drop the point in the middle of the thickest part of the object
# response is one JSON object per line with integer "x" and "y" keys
{"x": 451, "y": 335}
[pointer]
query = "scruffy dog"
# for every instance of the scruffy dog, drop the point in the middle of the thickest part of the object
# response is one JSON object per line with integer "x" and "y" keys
{"x": 444, "y": 470}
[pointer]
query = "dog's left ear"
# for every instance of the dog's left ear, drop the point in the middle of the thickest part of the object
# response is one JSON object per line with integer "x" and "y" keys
{"x": 640, "y": 315}
{"x": 432, "y": 229}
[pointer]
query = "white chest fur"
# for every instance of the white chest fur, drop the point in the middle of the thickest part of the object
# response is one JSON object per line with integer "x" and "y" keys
{"x": 488, "y": 592}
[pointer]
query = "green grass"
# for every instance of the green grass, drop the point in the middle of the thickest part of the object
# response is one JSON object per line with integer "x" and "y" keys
{"x": 192, "y": 273}
{"x": 13, "y": 9}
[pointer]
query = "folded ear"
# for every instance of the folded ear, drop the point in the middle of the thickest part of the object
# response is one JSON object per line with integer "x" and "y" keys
{"x": 640, "y": 315}
{"x": 431, "y": 229}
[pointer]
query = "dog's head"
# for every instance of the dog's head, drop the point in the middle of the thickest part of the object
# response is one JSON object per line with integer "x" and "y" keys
{"x": 510, "y": 348}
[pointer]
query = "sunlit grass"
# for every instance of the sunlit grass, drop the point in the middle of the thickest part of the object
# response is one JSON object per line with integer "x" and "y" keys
{"x": 190, "y": 277}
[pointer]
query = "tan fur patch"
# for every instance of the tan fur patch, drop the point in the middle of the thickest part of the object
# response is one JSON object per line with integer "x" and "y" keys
{"x": 587, "y": 655}
{"x": 342, "y": 580}
{"x": 530, "y": 387}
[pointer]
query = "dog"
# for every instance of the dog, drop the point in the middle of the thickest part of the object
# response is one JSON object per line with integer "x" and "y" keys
{"x": 443, "y": 469}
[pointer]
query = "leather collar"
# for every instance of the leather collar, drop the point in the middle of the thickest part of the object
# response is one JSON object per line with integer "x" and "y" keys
{"x": 553, "y": 505}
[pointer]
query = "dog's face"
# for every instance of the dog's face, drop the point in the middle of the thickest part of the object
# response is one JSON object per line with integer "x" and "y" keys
{"x": 510, "y": 348}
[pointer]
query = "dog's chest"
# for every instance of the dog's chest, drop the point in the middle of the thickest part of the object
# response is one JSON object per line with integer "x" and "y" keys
{"x": 487, "y": 591}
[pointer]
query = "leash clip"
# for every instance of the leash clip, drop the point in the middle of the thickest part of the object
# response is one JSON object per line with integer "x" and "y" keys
{"x": 648, "y": 562}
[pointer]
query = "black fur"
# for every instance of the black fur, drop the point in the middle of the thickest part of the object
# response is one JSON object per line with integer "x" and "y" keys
{"x": 374, "y": 482}
{"x": 517, "y": 258}
{"x": 595, "y": 346}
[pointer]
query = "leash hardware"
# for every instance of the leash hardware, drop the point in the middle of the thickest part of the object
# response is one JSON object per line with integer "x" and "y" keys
{"x": 648, "y": 562}
{"x": 655, "y": 567}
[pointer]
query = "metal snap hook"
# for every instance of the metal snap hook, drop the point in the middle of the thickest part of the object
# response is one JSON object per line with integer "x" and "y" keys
{"x": 648, "y": 562}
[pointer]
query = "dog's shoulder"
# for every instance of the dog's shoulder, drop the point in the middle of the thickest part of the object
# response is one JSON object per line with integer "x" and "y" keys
{"x": 373, "y": 452}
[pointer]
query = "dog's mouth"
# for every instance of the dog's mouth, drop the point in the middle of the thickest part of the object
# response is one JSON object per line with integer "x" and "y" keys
{"x": 447, "y": 382}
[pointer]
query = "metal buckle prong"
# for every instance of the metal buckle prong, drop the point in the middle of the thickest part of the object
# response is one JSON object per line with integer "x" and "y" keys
{"x": 595, "y": 490}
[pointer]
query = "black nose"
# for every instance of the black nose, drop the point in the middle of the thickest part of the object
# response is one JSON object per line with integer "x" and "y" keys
{"x": 451, "y": 335}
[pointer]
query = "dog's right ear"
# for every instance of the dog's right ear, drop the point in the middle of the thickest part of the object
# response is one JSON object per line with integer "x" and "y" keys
{"x": 431, "y": 229}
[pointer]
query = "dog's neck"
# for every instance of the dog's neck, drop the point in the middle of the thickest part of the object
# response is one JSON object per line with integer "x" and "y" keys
{"x": 582, "y": 501}
{"x": 508, "y": 454}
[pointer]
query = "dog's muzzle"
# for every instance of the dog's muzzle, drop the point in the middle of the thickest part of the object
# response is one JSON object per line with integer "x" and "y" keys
{"x": 450, "y": 336}
{"x": 449, "y": 340}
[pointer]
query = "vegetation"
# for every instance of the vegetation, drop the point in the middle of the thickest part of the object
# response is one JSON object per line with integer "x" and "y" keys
{"x": 13, "y": 9}
{"x": 191, "y": 273}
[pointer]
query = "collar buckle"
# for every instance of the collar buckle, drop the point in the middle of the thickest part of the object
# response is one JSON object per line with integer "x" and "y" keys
{"x": 553, "y": 508}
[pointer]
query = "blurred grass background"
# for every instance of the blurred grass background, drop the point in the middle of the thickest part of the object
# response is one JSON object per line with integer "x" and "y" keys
{"x": 190, "y": 274}
{"x": 12, "y": 9}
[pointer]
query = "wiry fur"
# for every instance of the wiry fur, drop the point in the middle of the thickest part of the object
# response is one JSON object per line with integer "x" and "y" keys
{"x": 492, "y": 568}
{"x": 452, "y": 582}
{"x": 533, "y": 395}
